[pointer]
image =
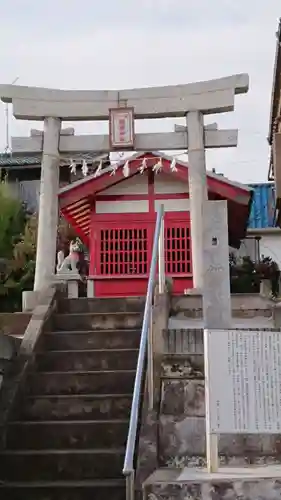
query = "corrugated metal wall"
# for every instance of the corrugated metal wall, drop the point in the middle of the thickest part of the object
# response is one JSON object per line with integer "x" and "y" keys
{"x": 263, "y": 206}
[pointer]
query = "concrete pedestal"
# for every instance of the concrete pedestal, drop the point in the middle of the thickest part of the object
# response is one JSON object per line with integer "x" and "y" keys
{"x": 72, "y": 279}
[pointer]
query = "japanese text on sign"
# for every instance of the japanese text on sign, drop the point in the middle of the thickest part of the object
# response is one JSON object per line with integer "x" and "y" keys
{"x": 244, "y": 381}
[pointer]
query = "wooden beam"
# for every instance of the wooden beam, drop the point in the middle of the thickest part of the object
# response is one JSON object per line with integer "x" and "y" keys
{"x": 144, "y": 142}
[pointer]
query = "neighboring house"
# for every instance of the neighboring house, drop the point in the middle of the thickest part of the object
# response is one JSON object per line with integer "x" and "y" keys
{"x": 23, "y": 174}
{"x": 274, "y": 134}
{"x": 263, "y": 237}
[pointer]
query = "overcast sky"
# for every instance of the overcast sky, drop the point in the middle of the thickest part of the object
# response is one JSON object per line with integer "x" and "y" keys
{"x": 111, "y": 44}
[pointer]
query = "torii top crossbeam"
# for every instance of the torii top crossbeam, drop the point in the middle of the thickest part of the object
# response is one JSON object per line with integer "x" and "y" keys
{"x": 213, "y": 96}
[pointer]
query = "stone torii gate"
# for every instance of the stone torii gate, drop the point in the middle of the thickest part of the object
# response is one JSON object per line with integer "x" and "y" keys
{"x": 52, "y": 106}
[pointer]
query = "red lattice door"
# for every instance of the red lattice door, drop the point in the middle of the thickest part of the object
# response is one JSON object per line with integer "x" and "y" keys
{"x": 121, "y": 258}
{"x": 178, "y": 262}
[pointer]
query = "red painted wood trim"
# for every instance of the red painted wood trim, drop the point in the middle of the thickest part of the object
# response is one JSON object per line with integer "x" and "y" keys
{"x": 78, "y": 230}
{"x": 150, "y": 175}
{"x": 118, "y": 276}
{"x": 113, "y": 217}
{"x": 141, "y": 197}
{"x": 102, "y": 277}
{"x": 218, "y": 186}
{"x": 97, "y": 184}
{"x": 171, "y": 196}
{"x": 178, "y": 216}
{"x": 92, "y": 238}
{"x": 141, "y": 217}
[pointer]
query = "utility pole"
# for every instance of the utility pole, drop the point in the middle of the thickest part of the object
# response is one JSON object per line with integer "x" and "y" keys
{"x": 7, "y": 149}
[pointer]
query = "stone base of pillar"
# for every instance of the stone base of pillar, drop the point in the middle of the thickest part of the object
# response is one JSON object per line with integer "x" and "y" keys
{"x": 29, "y": 300}
{"x": 277, "y": 315}
{"x": 265, "y": 289}
{"x": 193, "y": 291}
{"x": 90, "y": 288}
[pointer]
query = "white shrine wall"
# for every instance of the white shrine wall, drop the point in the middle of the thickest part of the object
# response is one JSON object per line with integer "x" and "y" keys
{"x": 174, "y": 205}
{"x": 138, "y": 184}
{"x": 121, "y": 207}
{"x": 166, "y": 184}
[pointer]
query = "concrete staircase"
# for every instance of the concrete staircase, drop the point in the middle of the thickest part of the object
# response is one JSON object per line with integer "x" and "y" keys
{"x": 67, "y": 438}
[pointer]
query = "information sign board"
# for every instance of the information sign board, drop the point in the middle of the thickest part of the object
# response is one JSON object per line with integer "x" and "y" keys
{"x": 243, "y": 381}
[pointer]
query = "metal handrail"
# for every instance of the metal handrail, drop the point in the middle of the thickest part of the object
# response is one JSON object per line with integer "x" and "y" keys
{"x": 145, "y": 342}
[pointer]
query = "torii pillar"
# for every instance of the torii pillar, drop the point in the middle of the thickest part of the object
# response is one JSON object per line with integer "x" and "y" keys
{"x": 198, "y": 191}
{"x": 48, "y": 204}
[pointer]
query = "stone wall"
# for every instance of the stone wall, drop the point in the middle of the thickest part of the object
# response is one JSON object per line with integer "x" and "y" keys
{"x": 14, "y": 323}
{"x": 182, "y": 412}
{"x": 243, "y": 306}
{"x": 261, "y": 484}
{"x": 8, "y": 350}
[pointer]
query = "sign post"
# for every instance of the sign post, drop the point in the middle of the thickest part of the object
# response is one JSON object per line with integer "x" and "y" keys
{"x": 216, "y": 301}
{"x": 242, "y": 367}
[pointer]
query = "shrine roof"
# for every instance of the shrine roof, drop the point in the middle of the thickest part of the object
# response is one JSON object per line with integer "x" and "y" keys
{"x": 119, "y": 165}
{"x": 16, "y": 161}
{"x": 75, "y": 199}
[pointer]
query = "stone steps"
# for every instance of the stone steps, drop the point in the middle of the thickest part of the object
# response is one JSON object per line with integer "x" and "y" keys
{"x": 67, "y": 434}
{"x": 66, "y": 439}
{"x": 90, "y": 360}
{"x": 61, "y": 464}
{"x": 65, "y": 490}
{"x": 99, "y": 339}
{"x": 103, "y": 305}
{"x": 97, "y": 321}
{"x": 76, "y": 407}
{"x": 80, "y": 382}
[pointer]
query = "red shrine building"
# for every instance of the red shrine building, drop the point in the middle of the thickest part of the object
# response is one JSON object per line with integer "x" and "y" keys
{"x": 114, "y": 214}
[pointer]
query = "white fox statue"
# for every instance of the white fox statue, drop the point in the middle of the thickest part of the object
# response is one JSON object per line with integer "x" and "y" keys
{"x": 69, "y": 263}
